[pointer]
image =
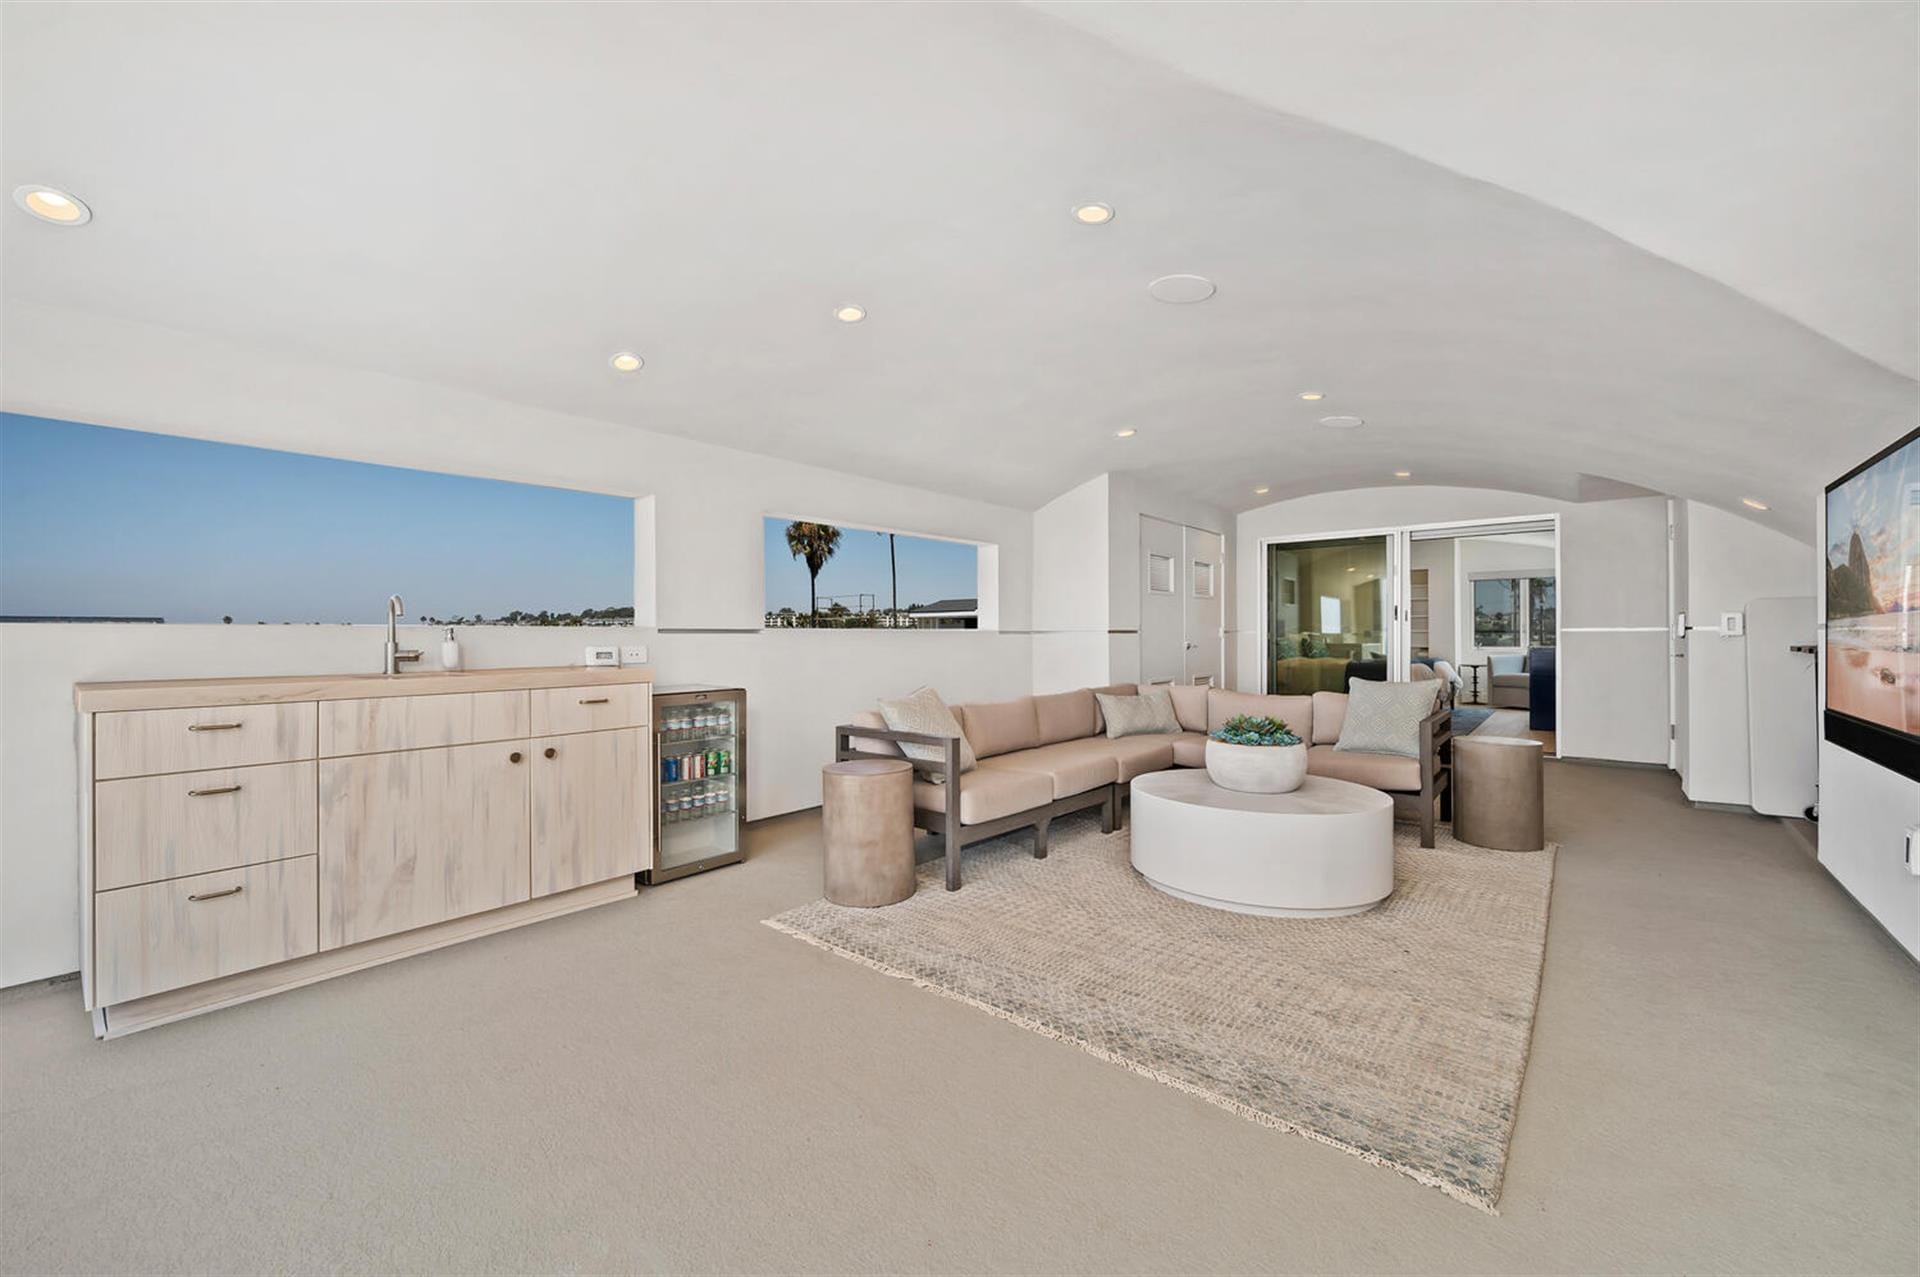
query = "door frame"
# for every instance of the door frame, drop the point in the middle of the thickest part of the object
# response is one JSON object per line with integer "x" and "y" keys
{"x": 1399, "y": 551}
{"x": 1222, "y": 585}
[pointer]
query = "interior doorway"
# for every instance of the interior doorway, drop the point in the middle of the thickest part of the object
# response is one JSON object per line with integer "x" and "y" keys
{"x": 1329, "y": 614}
{"x": 1182, "y": 584}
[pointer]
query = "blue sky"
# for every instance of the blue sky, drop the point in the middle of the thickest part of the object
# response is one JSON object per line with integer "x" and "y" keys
{"x": 929, "y": 569}
{"x": 103, "y": 522}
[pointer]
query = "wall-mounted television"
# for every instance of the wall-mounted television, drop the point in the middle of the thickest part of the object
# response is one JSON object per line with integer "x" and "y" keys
{"x": 1873, "y": 608}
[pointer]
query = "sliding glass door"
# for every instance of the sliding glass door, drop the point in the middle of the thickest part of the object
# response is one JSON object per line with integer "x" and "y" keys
{"x": 1331, "y": 613}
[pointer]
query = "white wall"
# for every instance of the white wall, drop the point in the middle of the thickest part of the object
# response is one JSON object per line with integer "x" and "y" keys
{"x": 1865, "y": 811}
{"x": 1612, "y": 596}
{"x": 1086, "y": 578}
{"x": 706, "y": 508}
{"x": 1071, "y": 589}
{"x": 1730, "y": 561}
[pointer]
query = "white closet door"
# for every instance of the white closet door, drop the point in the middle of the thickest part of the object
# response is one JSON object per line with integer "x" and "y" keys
{"x": 1162, "y": 616}
{"x": 1203, "y": 589}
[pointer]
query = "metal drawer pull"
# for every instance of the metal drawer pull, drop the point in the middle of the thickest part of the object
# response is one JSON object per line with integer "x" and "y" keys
{"x": 598, "y": 700}
{"x": 215, "y": 895}
{"x": 208, "y": 793}
{"x": 213, "y": 727}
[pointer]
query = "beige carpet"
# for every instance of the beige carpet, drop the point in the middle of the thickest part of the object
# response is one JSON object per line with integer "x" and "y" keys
{"x": 1399, "y": 1035}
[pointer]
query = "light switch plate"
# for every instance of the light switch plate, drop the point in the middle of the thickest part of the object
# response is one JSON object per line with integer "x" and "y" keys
{"x": 634, "y": 654}
{"x": 1733, "y": 624}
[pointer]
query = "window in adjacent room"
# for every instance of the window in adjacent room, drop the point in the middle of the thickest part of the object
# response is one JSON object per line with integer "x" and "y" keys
{"x": 1513, "y": 611}
{"x": 834, "y": 576}
{"x": 101, "y": 524}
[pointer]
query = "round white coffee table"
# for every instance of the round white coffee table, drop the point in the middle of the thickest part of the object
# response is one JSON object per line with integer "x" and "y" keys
{"x": 1324, "y": 850}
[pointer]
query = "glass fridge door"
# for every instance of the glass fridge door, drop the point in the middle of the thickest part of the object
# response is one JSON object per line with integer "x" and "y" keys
{"x": 702, "y": 778}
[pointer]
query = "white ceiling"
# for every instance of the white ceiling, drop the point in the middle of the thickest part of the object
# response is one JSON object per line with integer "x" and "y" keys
{"x": 499, "y": 197}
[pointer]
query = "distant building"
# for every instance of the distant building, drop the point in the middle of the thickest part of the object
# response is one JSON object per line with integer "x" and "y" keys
{"x": 83, "y": 620}
{"x": 946, "y": 614}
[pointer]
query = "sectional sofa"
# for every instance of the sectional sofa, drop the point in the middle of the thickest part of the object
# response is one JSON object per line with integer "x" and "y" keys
{"x": 1045, "y": 756}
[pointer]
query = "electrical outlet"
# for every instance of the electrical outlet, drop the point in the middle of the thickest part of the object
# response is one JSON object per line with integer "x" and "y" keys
{"x": 1733, "y": 624}
{"x": 634, "y": 654}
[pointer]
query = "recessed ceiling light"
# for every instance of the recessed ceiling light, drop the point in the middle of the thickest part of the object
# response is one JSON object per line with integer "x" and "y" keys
{"x": 1403, "y": 474}
{"x": 1093, "y": 214}
{"x": 1312, "y": 396}
{"x": 1753, "y": 503}
{"x": 1342, "y": 423}
{"x": 1352, "y": 569}
{"x": 626, "y": 361}
{"x": 1181, "y": 290}
{"x": 850, "y": 314}
{"x": 1261, "y": 491}
{"x": 1128, "y": 433}
{"x": 53, "y": 206}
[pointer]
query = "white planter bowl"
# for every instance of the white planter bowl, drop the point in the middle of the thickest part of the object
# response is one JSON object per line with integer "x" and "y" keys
{"x": 1257, "y": 769}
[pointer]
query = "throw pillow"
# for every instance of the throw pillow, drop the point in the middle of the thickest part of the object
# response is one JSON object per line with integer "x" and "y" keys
{"x": 925, "y": 712}
{"x": 1315, "y": 644}
{"x": 1384, "y": 718}
{"x": 1148, "y": 714}
{"x": 1287, "y": 648}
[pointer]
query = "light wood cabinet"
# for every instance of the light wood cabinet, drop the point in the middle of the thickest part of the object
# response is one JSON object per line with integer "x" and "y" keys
{"x": 249, "y": 835}
{"x": 153, "y": 827}
{"x": 592, "y": 817}
{"x": 162, "y": 935}
{"x": 151, "y": 742}
{"x": 418, "y": 837}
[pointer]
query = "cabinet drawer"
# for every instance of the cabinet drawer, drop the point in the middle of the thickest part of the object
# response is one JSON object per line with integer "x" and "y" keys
{"x": 381, "y": 724}
{"x": 168, "y": 934}
{"x": 557, "y": 710}
{"x": 150, "y": 742}
{"x": 153, "y": 827}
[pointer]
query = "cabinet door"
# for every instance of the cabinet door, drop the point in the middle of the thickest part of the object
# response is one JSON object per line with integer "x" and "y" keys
{"x": 418, "y": 837}
{"x": 591, "y": 818}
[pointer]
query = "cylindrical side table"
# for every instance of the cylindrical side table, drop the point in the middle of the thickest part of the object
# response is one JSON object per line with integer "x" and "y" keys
{"x": 867, "y": 819}
{"x": 1497, "y": 799}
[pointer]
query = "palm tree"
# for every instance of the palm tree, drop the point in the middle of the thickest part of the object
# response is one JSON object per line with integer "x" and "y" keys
{"x": 815, "y": 543}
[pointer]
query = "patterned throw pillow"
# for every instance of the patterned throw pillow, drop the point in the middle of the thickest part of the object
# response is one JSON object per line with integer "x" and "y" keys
{"x": 1148, "y": 714}
{"x": 1385, "y": 718}
{"x": 925, "y": 712}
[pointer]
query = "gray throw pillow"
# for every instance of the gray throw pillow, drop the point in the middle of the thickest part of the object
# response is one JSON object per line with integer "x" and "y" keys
{"x": 1148, "y": 714}
{"x": 1385, "y": 718}
{"x": 925, "y": 712}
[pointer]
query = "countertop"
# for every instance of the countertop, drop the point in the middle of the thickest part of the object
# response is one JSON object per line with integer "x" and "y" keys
{"x": 178, "y": 693}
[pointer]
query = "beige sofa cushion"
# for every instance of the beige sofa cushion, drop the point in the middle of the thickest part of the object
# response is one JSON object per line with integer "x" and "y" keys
{"x": 1073, "y": 766}
{"x": 926, "y": 713}
{"x": 999, "y": 727}
{"x": 1380, "y": 771}
{"x": 1295, "y": 711}
{"x": 988, "y": 793}
{"x": 1138, "y": 755}
{"x": 1189, "y": 749}
{"x": 1190, "y": 706}
{"x": 1066, "y": 716}
{"x": 869, "y": 744}
{"x": 1148, "y": 713}
{"x": 1329, "y": 716}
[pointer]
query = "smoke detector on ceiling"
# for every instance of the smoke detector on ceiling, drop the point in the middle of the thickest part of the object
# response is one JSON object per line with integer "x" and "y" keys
{"x": 1342, "y": 423}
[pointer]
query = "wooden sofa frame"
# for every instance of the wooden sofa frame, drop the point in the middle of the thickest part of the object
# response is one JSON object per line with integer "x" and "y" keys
{"x": 1436, "y": 775}
{"x": 956, "y": 836}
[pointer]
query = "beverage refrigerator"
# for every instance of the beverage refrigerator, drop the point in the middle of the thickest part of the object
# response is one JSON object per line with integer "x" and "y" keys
{"x": 700, "y": 738}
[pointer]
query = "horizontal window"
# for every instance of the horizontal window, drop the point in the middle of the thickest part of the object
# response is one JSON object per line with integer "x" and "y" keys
{"x": 105, "y": 524}
{"x": 823, "y": 576}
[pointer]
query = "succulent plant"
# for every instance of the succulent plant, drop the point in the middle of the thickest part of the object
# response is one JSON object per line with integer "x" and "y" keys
{"x": 1249, "y": 729}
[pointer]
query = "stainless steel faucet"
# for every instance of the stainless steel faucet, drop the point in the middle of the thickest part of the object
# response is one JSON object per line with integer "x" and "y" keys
{"x": 396, "y": 655}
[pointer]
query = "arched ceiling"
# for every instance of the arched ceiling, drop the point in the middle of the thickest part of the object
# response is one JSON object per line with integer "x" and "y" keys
{"x": 499, "y": 197}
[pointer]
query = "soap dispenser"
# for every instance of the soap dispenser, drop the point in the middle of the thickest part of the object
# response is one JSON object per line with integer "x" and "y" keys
{"x": 450, "y": 651}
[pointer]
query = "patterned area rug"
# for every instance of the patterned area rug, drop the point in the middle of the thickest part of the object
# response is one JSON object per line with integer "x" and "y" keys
{"x": 1399, "y": 1035}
